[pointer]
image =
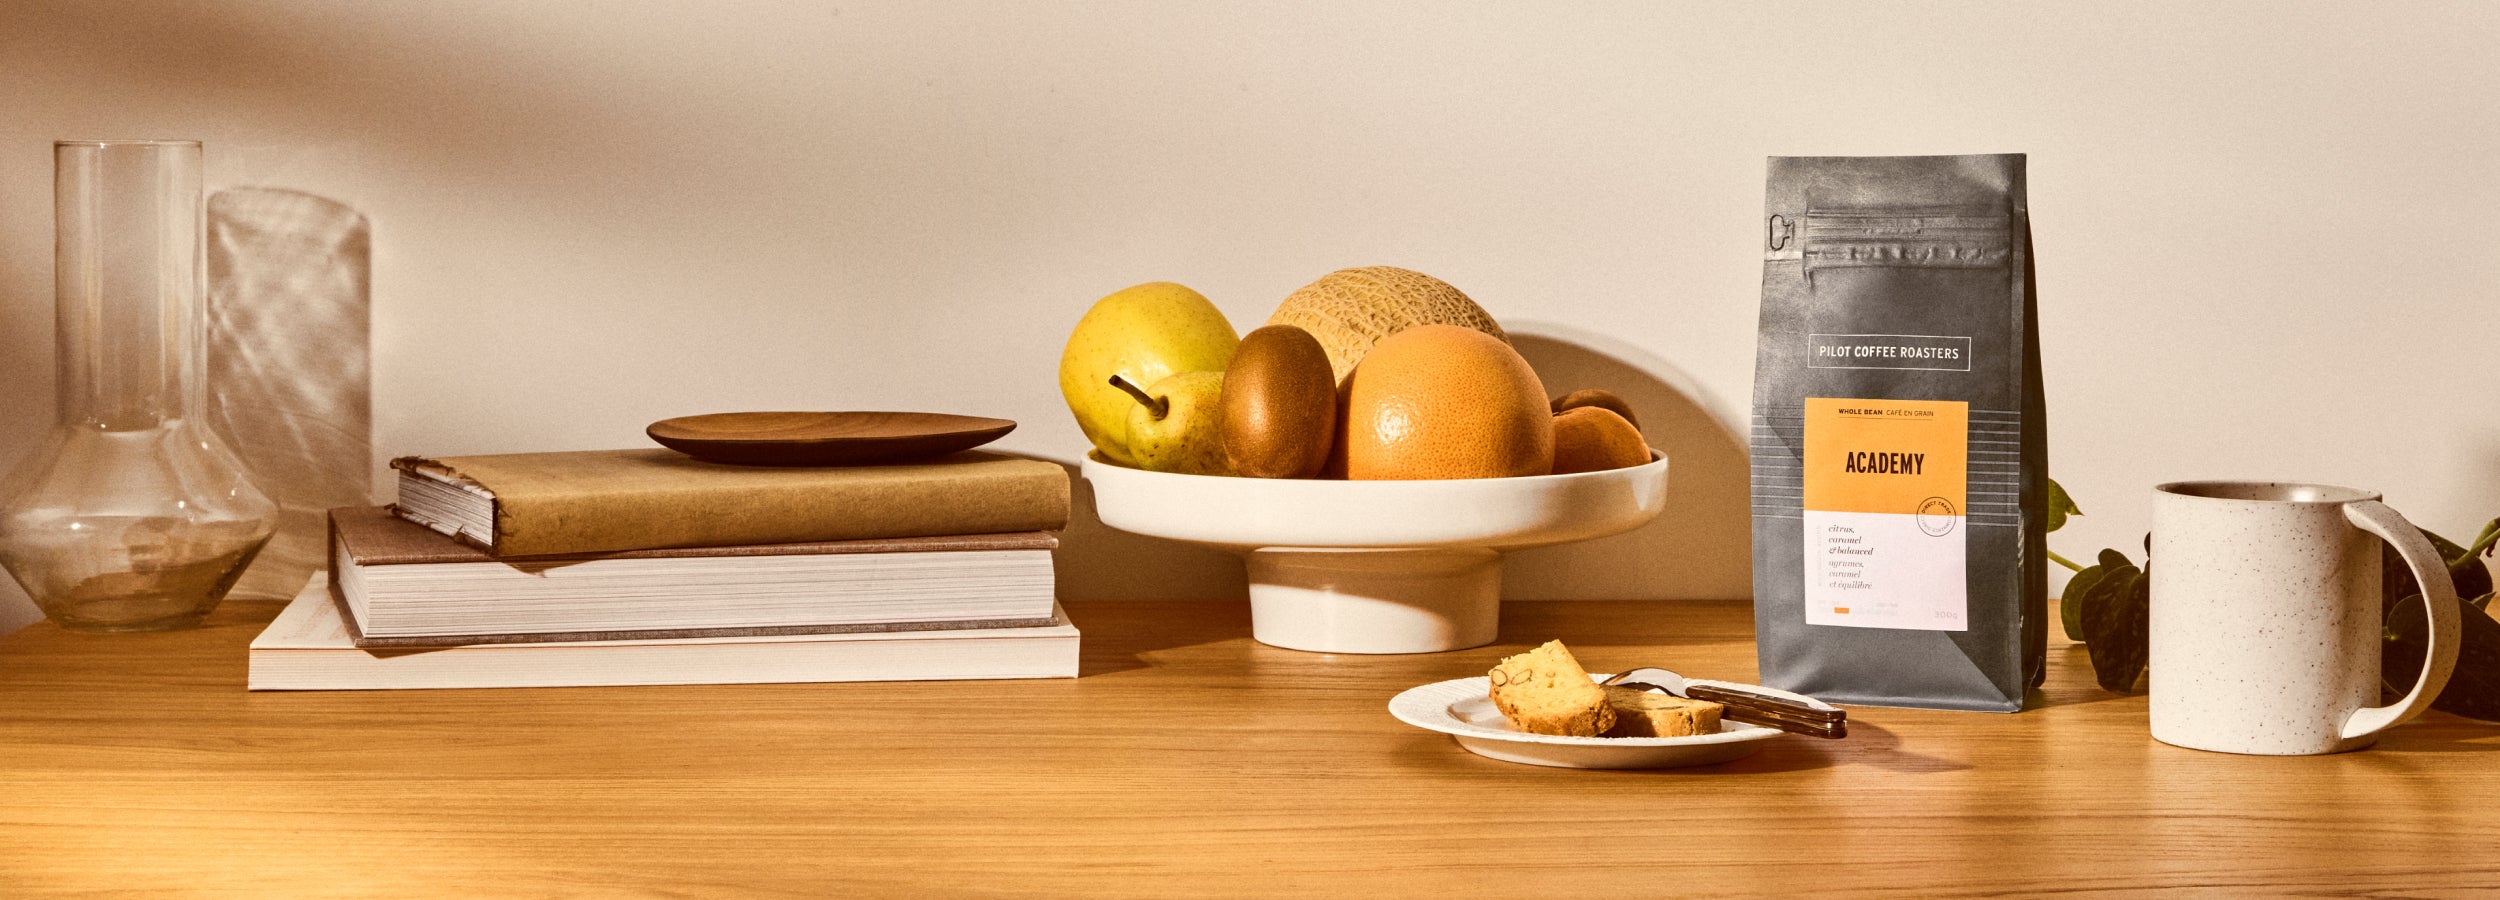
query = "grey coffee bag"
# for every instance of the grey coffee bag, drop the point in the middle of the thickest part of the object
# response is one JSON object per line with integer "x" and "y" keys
{"x": 1900, "y": 452}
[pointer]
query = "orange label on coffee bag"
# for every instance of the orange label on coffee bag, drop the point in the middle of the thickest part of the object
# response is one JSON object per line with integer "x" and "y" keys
{"x": 1885, "y": 488}
{"x": 1886, "y": 456}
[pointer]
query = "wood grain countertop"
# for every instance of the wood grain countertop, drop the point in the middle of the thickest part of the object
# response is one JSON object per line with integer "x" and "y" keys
{"x": 1188, "y": 760}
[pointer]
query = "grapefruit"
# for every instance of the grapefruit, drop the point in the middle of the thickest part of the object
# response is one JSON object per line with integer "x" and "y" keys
{"x": 1445, "y": 401}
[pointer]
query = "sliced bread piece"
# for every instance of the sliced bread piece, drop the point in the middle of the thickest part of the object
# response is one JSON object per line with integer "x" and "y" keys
{"x": 1640, "y": 713}
{"x": 1544, "y": 691}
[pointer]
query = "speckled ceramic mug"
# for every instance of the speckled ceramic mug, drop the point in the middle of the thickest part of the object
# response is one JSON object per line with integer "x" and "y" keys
{"x": 2265, "y": 617}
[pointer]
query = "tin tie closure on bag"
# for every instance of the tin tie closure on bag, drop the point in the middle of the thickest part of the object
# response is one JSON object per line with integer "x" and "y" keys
{"x": 1847, "y": 238}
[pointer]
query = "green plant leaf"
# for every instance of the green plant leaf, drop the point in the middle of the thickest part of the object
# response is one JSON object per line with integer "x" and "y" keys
{"x": 2466, "y": 568}
{"x": 2466, "y": 572}
{"x": 2070, "y": 602}
{"x": 2060, "y": 506}
{"x": 2115, "y": 613}
{"x": 2473, "y": 690}
{"x": 2485, "y": 542}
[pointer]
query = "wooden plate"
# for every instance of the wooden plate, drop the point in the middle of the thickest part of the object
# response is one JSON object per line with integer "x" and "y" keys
{"x": 824, "y": 438}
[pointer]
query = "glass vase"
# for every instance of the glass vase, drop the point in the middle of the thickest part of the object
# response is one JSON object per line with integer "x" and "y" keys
{"x": 134, "y": 515}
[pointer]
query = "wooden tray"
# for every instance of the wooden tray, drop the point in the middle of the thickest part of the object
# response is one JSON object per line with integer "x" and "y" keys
{"x": 824, "y": 438}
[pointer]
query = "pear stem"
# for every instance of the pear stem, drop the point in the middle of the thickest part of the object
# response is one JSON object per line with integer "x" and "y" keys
{"x": 1157, "y": 406}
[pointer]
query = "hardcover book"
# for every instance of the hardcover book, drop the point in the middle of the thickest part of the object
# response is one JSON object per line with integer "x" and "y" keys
{"x": 539, "y": 504}
{"x": 400, "y": 584}
{"x": 307, "y": 649}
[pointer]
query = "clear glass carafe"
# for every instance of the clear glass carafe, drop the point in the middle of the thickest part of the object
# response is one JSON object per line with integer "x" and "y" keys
{"x": 134, "y": 515}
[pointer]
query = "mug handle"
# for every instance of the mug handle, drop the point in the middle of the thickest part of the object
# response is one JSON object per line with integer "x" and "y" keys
{"x": 2437, "y": 591}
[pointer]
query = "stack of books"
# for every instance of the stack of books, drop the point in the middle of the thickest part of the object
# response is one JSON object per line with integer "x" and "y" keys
{"x": 650, "y": 567}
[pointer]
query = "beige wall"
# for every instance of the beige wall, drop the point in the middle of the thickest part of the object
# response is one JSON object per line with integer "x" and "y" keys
{"x": 2258, "y": 225}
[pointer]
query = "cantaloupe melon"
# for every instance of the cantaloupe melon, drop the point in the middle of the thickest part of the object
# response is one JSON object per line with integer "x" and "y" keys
{"x": 1349, "y": 310}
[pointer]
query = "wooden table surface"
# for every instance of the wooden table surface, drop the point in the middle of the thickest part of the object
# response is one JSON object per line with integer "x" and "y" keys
{"x": 1188, "y": 760}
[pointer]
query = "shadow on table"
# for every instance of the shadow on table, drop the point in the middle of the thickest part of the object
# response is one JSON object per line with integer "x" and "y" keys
{"x": 1866, "y": 745}
{"x": 2076, "y": 690}
{"x": 1098, "y": 562}
{"x": 1119, "y": 636}
{"x": 2441, "y": 737}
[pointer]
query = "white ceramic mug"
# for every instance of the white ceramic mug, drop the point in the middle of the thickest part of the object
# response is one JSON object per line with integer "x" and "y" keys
{"x": 2265, "y": 619}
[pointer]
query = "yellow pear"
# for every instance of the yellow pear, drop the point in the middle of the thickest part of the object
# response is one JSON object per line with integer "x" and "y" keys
{"x": 1143, "y": 334}
{"x": 1176, "y": 426}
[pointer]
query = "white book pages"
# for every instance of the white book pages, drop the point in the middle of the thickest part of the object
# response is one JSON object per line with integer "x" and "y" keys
{"x": 459, "y": 510}
{"x": 646, "y": 593}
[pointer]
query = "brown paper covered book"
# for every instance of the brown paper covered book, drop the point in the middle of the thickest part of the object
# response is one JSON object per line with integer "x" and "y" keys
{"x": 537, "y": 504}
{"x": 399, "y": 584}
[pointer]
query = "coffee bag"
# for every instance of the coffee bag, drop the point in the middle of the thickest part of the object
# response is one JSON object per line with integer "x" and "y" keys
{"x": 1899, "y": 447}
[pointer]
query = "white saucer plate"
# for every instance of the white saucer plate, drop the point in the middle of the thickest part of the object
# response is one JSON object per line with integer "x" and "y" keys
{"x": 1463, "y": 709}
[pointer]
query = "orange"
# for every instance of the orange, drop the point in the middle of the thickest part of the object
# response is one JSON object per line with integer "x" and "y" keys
{"x": 1443, "y": 401}
{"x": 1594, "y": 439}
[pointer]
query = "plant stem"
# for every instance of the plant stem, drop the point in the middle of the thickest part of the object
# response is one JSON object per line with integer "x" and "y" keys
{"x": 2482, "y": 542}
{"x": 2068, "y": 563}
{"x": 1155, "y": 406}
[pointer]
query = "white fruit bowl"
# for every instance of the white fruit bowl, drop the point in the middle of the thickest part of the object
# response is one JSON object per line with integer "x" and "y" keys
{"x": 1376, "y": 566}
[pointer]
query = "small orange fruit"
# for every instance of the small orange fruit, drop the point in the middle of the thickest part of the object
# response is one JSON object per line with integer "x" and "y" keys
{"x": 1443, "y": 401}
{"x": 1598, "y": 397}
{"x": 1594, "y": 439}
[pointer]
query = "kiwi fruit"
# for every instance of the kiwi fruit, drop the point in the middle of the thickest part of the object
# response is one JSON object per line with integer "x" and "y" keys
{"x": 1279, "y": 404}
{"x": 1602, "y": 399}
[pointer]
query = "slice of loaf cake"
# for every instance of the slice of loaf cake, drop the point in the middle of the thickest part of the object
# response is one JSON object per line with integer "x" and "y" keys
{"x": 1544, "y": 691}
{"x": 1641, "y": 713}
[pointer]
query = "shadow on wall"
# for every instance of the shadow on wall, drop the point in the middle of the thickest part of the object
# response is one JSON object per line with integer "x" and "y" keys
{"x": 289, "y": 367}
{"x": 286, "y": 370}
{"x": 1701, "y": 548}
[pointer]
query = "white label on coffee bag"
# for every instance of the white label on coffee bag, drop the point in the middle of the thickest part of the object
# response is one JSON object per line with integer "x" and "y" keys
{"x": 1884, "y": 513}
